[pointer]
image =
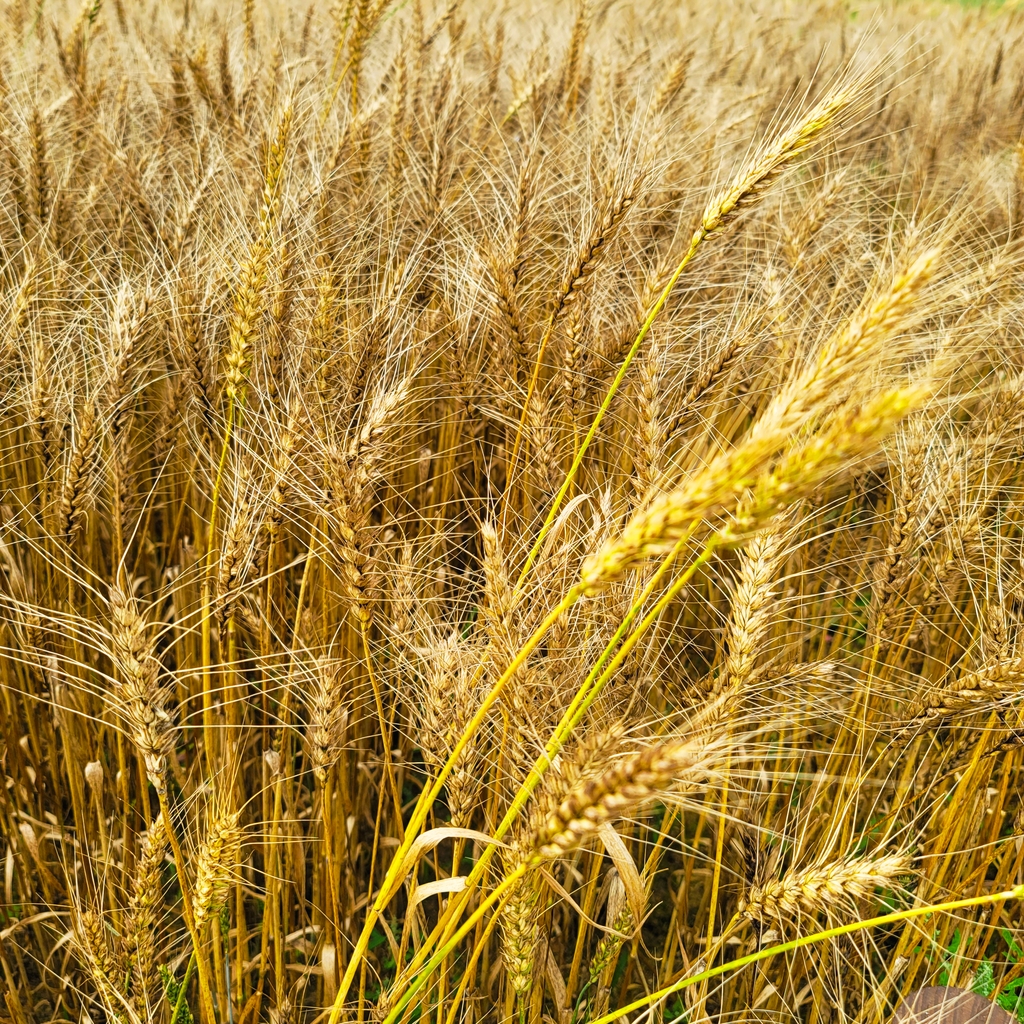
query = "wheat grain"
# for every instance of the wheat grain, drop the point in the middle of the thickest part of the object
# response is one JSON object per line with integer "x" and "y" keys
{"x": 253, "y": 270}
{"x": 139, "y": 698}
{"x": 144, "y": 913}
{"x": 752, "y": 607}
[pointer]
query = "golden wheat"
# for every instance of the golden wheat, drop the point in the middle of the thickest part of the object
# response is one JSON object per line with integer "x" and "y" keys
{"x": 493, "y": 501}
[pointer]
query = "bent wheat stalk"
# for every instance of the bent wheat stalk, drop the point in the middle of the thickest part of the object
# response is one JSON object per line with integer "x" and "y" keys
{"x": 744, "y": 190}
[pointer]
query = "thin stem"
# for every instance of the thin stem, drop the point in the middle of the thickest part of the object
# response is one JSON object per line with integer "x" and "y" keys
{"x": 180, "y": 1003}
{"x": 208, "y": 741}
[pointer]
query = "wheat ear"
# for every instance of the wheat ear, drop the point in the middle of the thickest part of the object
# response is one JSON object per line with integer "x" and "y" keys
{"x": 827, "y": 888}
{"x": 615, "y": 792}
{"x": 248, "y": 301}
{"x": 139, "y": 698}
{"x": 217, "y": 857}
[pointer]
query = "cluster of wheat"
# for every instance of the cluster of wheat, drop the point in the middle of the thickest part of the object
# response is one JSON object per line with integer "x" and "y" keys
{"x": 504, "y": 513}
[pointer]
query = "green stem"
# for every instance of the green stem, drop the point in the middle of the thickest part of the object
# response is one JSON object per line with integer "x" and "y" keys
{"x": 180, "y": 1003}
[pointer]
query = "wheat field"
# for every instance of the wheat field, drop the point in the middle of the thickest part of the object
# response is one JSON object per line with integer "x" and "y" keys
{"x": 510, "y": 513}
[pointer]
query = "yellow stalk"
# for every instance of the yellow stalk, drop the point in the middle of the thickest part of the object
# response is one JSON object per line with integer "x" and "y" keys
{"x": 208, "y": 738}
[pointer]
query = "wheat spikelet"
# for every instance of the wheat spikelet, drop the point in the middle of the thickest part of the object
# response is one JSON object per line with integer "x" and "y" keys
{"x": 514, "y": 336}
{"x": 622, "y": 787}
{"x": 970, "y": 691}
{"x": 359, "y": 21}
{"x": 544, "y": 466}
{"x": 200, "y": 75}
{"x": 832, "y": 888}
{"x": 575, "y": 365}
{"x": 105, "y": 969}
{"x": 328, "y": 717}
{"x": 282, "y": 308}
{"x": 894, "y": 569}
{"x": 882, "y": 318}
{"x": 670, "y": 84}
{"x": 352, "y": 558}
{"x": 366, "y": 446}
{"x": 605, "y": 958}
{"x": 249, "y": 23}
{"x": 144, "y": 911}
{"x": 75, "y": 492}
{"x": 752, "y": 607}
{"x": 283, "y": 462}
{"x": 703, "y": 382}
{"x": 754, "y": 180}
{"x": 323, "y": 330}
{"x": 139, "y": 698}
{"x": 446, "y": 699}
{"x": 405, "y": 599}
{"x": 237, "y": 553}
{"x": 216, "y": 861}
{"x": 127, "y": 319}
{"x": 227, "y": 81}
{"x": 851, "y": 432}
{"x": 40, "y": 178}
{"x": 647, "y": 460}
{"x": 97, "y": 945}
{"x": 353, "y": 469}
{"x": 520, "y": 934}
{"x": 581, "y": 272}
{"x": 181, "y": 98}
{"x": 569, "y": 82}
{"x": 799, "y": 234}
{"x": 253, "y": 270}
{"x": 499, "y": 599}
{"x": 17, "y": 314}
{"x": 526, "y": 95}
